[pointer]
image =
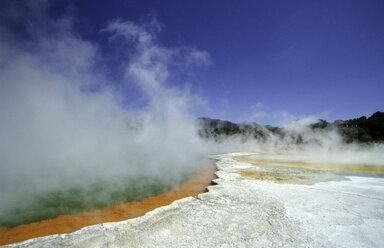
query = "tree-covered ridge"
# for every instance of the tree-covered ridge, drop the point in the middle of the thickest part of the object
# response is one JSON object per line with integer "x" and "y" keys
{"x": 361, "y": 130}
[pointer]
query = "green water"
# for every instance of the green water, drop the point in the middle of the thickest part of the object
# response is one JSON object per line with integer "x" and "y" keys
{"x": 75, "y": 199}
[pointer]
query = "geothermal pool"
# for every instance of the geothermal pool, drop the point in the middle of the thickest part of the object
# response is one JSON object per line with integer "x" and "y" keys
{"x": 123, "y": 211}
{"x": 255, "y": 203}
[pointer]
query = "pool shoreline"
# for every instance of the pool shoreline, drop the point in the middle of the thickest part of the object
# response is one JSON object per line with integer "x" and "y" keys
{"x": 70, "y": 223}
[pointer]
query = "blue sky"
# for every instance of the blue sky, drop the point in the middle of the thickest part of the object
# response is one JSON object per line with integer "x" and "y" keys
{"x": 270, "y": 60}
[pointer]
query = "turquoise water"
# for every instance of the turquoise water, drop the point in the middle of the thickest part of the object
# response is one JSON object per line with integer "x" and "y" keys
{"x": 75, "y": 199}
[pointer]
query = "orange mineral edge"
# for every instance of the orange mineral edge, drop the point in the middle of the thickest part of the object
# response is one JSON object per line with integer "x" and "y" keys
{"x": 71, "y": 223}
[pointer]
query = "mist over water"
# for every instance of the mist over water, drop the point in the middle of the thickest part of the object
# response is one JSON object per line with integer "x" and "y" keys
{"x": 65, "y": 126}
{"x": 69, "y": 130}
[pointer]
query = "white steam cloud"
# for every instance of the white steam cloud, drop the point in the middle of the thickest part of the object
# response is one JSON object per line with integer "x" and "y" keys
{"x": 64, "y": 123}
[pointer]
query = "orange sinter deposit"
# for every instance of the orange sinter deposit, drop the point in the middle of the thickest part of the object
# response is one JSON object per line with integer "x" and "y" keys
{"x": 71, "y": 223}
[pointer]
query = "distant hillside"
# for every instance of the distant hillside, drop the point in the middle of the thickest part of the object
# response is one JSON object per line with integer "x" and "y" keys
{"x": 361, "y": 130}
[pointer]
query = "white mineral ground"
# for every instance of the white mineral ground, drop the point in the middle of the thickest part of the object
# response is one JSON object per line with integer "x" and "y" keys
{"x": 254, "y": 205}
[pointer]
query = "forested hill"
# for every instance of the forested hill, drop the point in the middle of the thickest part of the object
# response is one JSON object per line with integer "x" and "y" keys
{"x": 361, "y": 130}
